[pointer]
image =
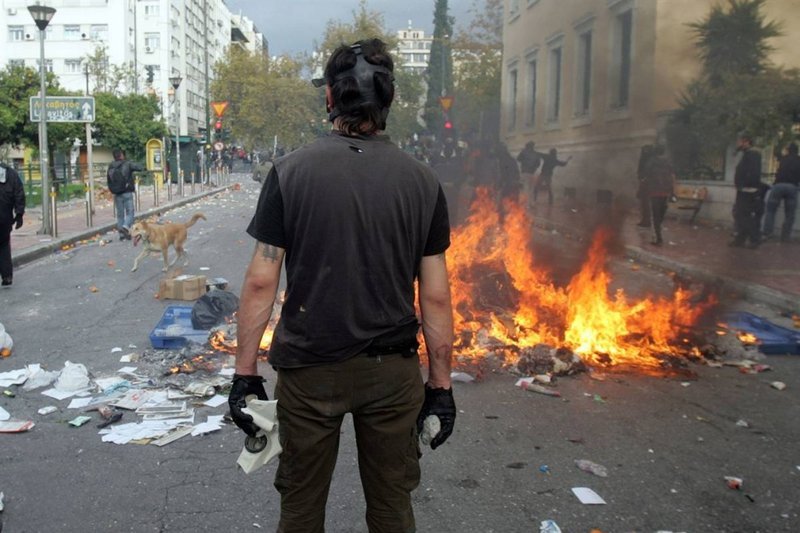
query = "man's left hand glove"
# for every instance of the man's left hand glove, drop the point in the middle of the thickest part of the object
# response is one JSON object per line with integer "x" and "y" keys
{"x": 438, "y": 402}
{"x": 244, "y": 386}
{"x": 18, "y": 220}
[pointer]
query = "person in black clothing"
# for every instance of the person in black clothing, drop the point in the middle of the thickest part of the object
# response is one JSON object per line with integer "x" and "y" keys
{"x": 659, "y": 183}
{"x": 360, "y": 224}
{"x": 787, "y": 180}
{"x": 122, "y": 186}
{"x": 641, "y": 191}
{"x": 748, "y": 206}
{"x": 529, "y": 161}
{"x": 12, "y": 209}
{"x": 549, "y": 163}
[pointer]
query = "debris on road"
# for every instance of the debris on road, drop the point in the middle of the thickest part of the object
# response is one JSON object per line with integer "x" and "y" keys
{"x": 78, "y": 421}
{"x": 15, "y": 426}
{"x": 528, "y": 385}
{"x": 549, "y": 526}
{"x": 591, "y": 467}
{"x": 47, "y": 410}
{"x": 587, "y": 496}
{"x": 4, "y": 415}
{"x": 734, "y": 483}
{"x": 461, "y": 377}
{"x": 779, "y": 385}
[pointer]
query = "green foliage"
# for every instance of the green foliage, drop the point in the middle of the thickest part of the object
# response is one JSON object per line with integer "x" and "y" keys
{"x": 266, "y": 97}
{"x": 734, "y": 41}
{"x": 127, "y": 122}
{"x": 440, "y": 68}
{"x": 108, "y": 78}
{"x": 478, "y": 52}
{"x": 737, "y": 91}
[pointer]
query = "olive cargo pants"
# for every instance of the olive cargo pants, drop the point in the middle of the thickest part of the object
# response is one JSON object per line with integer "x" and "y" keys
{"x": 384, "y": 394}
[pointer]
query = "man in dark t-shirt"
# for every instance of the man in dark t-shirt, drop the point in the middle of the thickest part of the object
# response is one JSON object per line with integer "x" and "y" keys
{"x": 358, "y": 222}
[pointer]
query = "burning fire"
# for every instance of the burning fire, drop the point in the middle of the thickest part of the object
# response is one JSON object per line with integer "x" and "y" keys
{"x": 504, "y": 301}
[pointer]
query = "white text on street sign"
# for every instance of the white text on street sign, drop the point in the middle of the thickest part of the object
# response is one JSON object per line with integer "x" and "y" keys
{"x": 63, "y": 108}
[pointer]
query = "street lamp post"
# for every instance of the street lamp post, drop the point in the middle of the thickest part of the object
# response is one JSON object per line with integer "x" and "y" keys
{"x": 42, "y": 16}
{"x": 176, "y": 82}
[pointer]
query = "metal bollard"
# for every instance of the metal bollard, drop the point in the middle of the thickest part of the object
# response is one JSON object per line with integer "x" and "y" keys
{"x": 54, "y": 211}
{"x": 155, "y": 193}
{"x": 137, "y": 201}
{"x": 88, "y": 208}
{"x": 192, "y": 183}
{"x": 180, "y": 183}
{"x": 169, "y": 187}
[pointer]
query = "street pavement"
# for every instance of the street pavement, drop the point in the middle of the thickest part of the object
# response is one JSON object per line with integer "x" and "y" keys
{"x": 667, "y": 442}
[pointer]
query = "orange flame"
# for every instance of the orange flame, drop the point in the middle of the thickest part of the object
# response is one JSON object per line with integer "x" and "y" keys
{"x": 502, "y": 299}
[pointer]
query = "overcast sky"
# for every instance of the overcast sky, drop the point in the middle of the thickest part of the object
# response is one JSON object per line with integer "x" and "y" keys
{"x": 291, "y": 26}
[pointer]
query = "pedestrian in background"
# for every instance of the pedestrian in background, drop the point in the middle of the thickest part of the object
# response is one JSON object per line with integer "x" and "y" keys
{"x": 749, "y": 203}
{"x": 12, "y": 209}
{"x": 659, "y": 183}
{"x": 549, "y": 164}
{"x": 359, "y": 223}
{"x": 529, "y": 161}
{"x": 122, "y": 186}
{"x": 642, "y": 195}
{"x": 787, "y": 180}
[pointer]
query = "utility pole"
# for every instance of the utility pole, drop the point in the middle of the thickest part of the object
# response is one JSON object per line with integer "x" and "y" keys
{"x": 208, "y": 102}
{"x": 135, "y": 50}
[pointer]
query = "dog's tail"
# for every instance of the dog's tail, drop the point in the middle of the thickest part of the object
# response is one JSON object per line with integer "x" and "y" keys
{"x": 194, "y": 219}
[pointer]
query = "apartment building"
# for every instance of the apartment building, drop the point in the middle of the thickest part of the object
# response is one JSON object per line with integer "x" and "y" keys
{"x": 598, "y": 79}
{"x": 168, "y": 37}
{"x": 413, "y": 49}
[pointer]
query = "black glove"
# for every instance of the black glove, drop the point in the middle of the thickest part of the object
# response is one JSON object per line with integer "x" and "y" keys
{"x": 18, "y": 220}
{"x": 438, "y": 402}
{"x": 244, "y": 386}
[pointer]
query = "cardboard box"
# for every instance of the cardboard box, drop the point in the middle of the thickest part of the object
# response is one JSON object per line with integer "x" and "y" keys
{"x": 182, "y": 288}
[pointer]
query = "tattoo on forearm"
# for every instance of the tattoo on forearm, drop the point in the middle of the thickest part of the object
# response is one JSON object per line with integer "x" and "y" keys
{"x": 269, "y": 251}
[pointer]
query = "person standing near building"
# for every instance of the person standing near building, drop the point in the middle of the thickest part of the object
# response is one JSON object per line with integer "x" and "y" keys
{"x": 12, "y": 209}
{"x": 122, "y": 186}
{"x": 748, "y": 206}
{"x": 529, "y": 161}
{"x": 358, "y": 221}
{"x": 549, "y": 164}
{"x": 659, "y": 184}
{"x": 787, "y": 180}
{"x": 642, "y": 195}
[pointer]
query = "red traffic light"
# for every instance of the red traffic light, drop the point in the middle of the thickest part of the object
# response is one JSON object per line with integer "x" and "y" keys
{"x": 448, "y": 125}
{"x": 218, "y": 125}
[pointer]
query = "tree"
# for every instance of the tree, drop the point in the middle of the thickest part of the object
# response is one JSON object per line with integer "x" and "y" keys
{"x": 127, "y": 122}
{"x": 738, "y": 89}
{"x": 478, "y": 52}
{"x": 440, "y": 67}
{"x": 108, "y": 78}
{"x": 266, "y": 97}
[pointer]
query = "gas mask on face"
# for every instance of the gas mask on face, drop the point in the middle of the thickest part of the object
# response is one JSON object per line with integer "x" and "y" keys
{"x": 363, "y": 72}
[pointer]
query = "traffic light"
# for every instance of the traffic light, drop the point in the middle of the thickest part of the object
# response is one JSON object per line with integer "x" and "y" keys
{"x": 448, "y": 126}
{"x": 217, "y": 128}
{"x": 149, "y": 69}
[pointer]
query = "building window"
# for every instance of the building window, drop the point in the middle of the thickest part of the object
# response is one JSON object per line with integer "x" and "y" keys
{"x": 16, "y": 33}
{"x": 583, "y": 78}
{"x": 16, "y": 63}
{"x": 152, "y": 41}
{"x": 99, "y": 32}
{"x": 48, "y": 65}
{"x": 72, "y": 66}
{"x": 512, "y": 99}
{"x": 532, "y": 82}
{"x": 554, "y": 88}
{"x": 72, "y": 33}
{"x": 151, "y": 10}
{"x": 621, "y": 63}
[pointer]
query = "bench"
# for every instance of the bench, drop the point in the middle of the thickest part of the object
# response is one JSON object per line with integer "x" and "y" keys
{"x": 690, "y": 198}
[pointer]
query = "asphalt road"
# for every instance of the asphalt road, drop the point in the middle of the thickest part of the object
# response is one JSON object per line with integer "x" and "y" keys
{"x": 667, "y": 445}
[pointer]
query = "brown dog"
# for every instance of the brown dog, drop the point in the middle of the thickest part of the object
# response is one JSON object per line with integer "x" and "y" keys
{"x": 159, "y": 237}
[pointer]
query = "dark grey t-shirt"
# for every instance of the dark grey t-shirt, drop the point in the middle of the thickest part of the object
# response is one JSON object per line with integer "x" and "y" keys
{"x": 355, "y": 216}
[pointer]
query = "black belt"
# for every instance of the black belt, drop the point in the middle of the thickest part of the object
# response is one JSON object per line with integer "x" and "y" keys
{"x": 406, "y": 349}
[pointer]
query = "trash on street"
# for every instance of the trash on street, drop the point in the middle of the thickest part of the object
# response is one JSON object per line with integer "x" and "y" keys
{"x": 591, "y": 467}
{"x": 587, "y": 496}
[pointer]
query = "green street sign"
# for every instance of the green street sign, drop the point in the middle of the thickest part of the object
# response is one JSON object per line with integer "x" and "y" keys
{"x": 63, "y": 108}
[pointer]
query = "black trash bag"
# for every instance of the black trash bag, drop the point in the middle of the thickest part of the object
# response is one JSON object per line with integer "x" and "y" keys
{"x": 214, "y": 308}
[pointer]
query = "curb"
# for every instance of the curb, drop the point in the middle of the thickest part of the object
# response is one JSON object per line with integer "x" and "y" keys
{"x": 725, "y": 285}
{"x": 34, "y": 253}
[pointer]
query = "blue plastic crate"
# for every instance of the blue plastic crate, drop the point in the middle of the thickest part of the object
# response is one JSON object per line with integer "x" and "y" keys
{"x": 772, "y": 339}
{"x": 181, "y": 316}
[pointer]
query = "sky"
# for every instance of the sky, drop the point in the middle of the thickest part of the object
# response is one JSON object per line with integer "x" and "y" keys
{"x": 292, "y": 26}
